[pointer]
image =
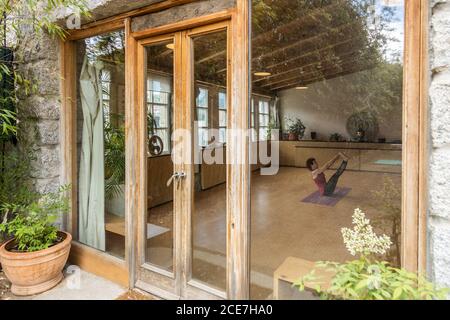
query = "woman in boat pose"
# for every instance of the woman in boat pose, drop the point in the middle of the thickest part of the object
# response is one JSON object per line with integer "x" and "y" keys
{"x": 318, "y": 175}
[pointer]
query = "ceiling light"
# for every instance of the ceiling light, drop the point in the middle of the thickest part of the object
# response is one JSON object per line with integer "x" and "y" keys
{"x": 170, "y": 46}
{"x": 301, "y": 88}
{"x": 262, "y": 74}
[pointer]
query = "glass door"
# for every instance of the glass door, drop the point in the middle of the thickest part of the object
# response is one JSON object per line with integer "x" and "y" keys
{"x": 158, "y": 221}
{"x": 182, "y": 226}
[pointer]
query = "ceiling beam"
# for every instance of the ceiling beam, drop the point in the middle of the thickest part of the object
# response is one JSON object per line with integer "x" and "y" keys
{"x": 259, "y": 39}
{"x": 279, "y": 77}
{"x": 317, "y": 79}
{"x": 331, "y": 32}
{"x": 318, "y": 72}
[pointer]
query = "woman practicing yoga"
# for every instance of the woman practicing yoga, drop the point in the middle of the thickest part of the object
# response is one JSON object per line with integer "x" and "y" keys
{"x": 326, "y": 188}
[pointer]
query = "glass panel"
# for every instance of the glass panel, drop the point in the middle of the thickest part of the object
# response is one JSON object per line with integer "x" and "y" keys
{"x": 161, "y": 115}
{"x": 160, "y": 216}
{"x": 222, "y": 135}
{"x": 202, "y": 98}
{"x": 209, "y": 216}
{"x": 202, "y": 117}
{"x": 336, "y": 69}
{"x": 101, "y": 142}
{"x": 203, "y": 137}
{"x": 222, "y": 118}
{"x": 222, "y": 100}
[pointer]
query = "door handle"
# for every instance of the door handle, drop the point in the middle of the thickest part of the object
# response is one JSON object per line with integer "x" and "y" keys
{"x": 176, "y": 176}
{"x": 173, "y": 177}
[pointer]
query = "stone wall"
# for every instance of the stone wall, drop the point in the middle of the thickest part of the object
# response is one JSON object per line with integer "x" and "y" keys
{"x": 439, "y": 181}
{"x": 40, "y": 113}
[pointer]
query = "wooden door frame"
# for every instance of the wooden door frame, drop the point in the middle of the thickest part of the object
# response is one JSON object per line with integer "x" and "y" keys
{"x": 139, "y": 160}
{"x": 183, "y": 284}
{"x": 415, "y": 137}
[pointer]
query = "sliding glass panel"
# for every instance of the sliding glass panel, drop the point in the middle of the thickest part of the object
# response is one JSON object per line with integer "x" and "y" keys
{"x": 160, "y": 214}
{"x": 101, "y": 142}
{"x": 209, "y": 216}
{"x": 332, "y": 72}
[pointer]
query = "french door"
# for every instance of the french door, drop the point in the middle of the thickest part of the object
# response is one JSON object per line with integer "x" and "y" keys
{"x": 181, "y": 227}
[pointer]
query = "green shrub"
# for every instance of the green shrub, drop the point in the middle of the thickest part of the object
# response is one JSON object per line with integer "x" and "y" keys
{"x": 32, "y": 225}
{"x": 367, "y": 278}
{"x": 364, "y": 279}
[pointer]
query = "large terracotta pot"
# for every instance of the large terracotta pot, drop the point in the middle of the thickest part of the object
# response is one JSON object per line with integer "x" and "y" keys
{"x": 35, "y": 272}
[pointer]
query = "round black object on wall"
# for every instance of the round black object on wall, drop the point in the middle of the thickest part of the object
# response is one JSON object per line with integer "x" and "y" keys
{"x": 7, "y": 85}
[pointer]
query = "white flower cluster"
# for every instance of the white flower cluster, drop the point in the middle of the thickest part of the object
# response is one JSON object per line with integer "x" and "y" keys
{"x": 362, "y": 239}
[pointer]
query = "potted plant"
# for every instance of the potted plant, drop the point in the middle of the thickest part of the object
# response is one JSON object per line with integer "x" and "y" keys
{"x": 34, "y": 258}
{"x": 336, "y": 137}
{"x": 368, "y": 278}
{"x": 296, "y": 130}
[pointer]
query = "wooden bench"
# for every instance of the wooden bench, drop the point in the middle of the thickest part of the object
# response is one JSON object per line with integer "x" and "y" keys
{"x": 289, "y": 272}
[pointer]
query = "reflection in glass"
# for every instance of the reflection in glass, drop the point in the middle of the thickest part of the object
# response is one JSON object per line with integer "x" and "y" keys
{"x": 101, "y": 142}
{"x": 160, "y": 216}
{"x": 337, "y": 67}
{"x": 209, "y": 215}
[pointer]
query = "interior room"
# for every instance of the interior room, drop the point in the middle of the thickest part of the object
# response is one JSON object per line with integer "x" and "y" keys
{"x": 326, "y": 90}
{"x": 333, "y": 72}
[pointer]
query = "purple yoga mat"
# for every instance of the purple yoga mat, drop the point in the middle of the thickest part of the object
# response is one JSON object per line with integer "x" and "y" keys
{"x": 316, "y": 198}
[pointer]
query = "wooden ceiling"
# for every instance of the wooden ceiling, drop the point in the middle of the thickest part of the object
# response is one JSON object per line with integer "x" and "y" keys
{"x": 308, "y": 42}
{"x": 297, "y": 41}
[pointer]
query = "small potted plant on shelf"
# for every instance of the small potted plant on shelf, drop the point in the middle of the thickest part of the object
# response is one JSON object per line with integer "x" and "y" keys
{"x": 368, "y": 278}
{"x": 296, "y": 130}
{"x": 35, "y": 256}
{"x": 336, "y": 137}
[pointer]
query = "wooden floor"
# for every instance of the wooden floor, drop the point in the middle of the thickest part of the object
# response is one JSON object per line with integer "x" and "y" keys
{"x": 282, "y": 225}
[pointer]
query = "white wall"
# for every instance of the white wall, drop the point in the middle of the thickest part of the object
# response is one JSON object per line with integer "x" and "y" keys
{"x": 325, "y": 107}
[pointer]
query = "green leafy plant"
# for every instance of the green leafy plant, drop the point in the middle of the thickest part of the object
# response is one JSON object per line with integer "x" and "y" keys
{"x": 25, "y": 21}
{"x": 32, "y": 225}
{"x": 336, "y": 137}
{"x": 367, "y": 278}
{"x": 151, "y": 124}
{"x": 296, "y": 127}
{"x": 114, "y": 158}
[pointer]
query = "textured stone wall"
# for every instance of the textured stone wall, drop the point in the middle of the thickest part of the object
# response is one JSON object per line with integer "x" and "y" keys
{"x": 439, "y": 182}
{"x": 40, "y": 113}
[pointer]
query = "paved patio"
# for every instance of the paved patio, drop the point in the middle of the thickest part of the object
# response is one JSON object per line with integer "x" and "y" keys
{"x": 78, "y": 285}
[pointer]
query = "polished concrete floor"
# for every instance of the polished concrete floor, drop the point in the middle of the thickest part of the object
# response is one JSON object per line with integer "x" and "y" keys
{"x": 281, "y": 225}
